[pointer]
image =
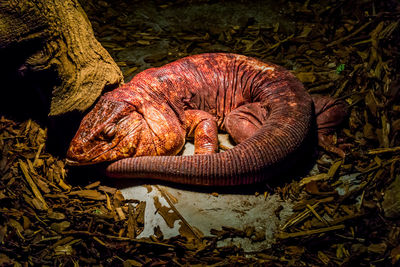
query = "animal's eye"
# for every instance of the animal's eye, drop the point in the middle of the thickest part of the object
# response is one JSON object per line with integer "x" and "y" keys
{"x": 109, "y": 131}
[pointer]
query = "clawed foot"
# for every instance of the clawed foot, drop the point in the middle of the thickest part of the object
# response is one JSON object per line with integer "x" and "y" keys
{"x": 330, "y": 144}
{"x": 330, "y": 113}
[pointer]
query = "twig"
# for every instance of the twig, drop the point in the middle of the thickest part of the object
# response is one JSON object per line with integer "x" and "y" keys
{"x": 342, "y": 219}
{"x": 317, "y": 215}
{"x": 38, "y": 154}
{"x": 140, "y": 241}
{"x": 32, "y": 184}
{"x": 349, "y": 36}
{"x": 383, "y": 150}
{"x": 301, "y": 216}
{"x": 309, "y": 232}
{"x": 318, "y": 177}
{"x": 99, "y": 241}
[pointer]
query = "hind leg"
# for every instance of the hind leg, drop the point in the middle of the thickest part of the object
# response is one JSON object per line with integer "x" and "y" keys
{"x": 244, "y": 121}
{"x": 330, "y": 113}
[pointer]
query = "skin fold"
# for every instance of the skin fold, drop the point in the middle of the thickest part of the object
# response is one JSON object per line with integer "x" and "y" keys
{"x": 141, "y": 126}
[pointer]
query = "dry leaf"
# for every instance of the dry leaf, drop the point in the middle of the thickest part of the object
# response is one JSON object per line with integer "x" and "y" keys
{"x": 90, "y": 194}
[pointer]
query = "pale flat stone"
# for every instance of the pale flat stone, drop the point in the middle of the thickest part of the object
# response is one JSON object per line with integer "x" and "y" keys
{"x": 205, "y": 211}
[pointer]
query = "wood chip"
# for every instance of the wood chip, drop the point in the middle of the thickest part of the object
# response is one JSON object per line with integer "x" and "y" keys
{"x": 33, "y": 186}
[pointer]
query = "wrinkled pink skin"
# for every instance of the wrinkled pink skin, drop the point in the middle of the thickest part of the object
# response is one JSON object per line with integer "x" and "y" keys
{"x": 262, "y": 106}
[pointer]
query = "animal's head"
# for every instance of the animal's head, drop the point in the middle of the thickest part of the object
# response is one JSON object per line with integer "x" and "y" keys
{"x": 110, "y": 131}
{"x": 124, "y": 124}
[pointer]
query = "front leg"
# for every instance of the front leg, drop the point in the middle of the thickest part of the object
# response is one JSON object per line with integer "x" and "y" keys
{"x": 202, "y": 126}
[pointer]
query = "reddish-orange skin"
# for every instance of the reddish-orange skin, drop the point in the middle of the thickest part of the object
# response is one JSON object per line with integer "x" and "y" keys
{"x": 144, "y": 123}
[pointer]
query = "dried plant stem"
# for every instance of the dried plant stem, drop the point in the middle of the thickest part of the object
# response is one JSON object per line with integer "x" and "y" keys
{"x": 383, "y": 150}
{"x": 310, "y": 232}
{"x": 32, "y": 184}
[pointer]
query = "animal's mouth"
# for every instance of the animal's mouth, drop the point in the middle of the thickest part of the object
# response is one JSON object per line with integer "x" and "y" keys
{"x": 90, "y": 161}
{"x": 77, "y": 163}
{"x": 71, "y": 162}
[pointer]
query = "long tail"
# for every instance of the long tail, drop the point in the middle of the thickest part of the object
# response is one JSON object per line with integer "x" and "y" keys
{"x": 256, "y": 159}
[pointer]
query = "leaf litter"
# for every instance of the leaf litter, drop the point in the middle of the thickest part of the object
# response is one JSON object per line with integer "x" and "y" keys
{"x": 346, "y": 212}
